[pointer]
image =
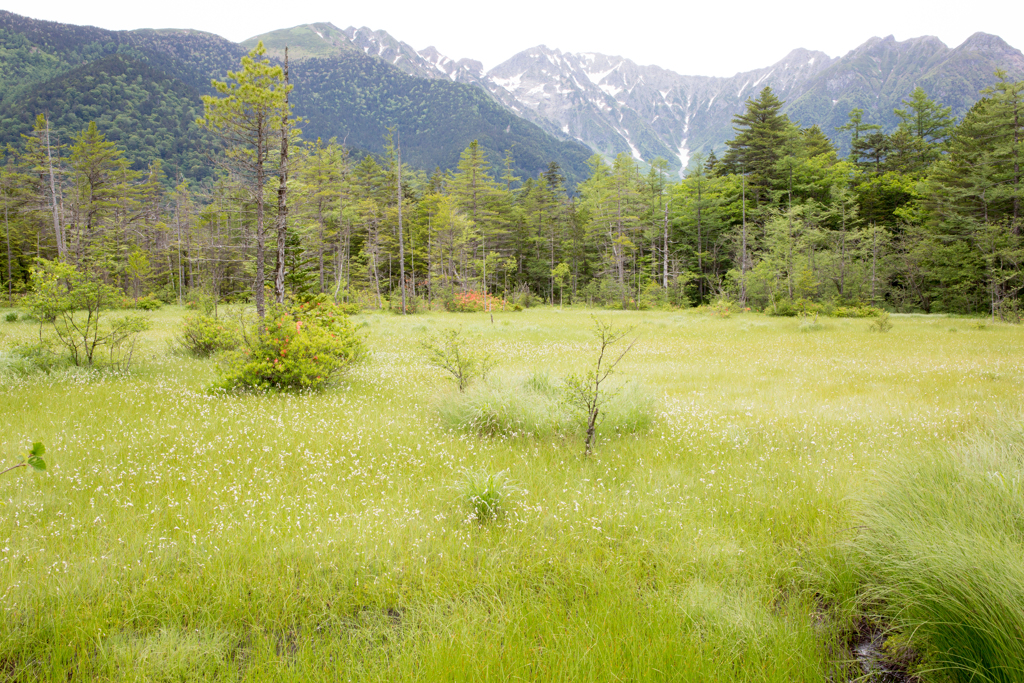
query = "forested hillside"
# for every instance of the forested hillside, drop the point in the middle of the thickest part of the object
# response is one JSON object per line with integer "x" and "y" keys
{"x": 143, "y": 89}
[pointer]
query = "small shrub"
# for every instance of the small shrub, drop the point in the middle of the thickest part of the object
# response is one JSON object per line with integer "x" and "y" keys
{"x": 123, "y": 338}
{"x": 197, "y": 300}
{"x": 881, "y": 323}
{"x": 1009, "y": 311}
{"x": 203, "y": 336}
{"x": 583, "y": 392}
{"x": 448, "y": 351}
{"x": 413, "y": 304}
{"x": 722, "y": 308}
{"x": 148, "y": 303}
{"x": 653, "y": 296}
{"x": 11, "y": 317}
{"x": 809, "y": 324}
{"x": 524, "y": 297}
{"x": 347, "y": 308}
{"x": 305, "y": 347}
{"x": 856, "y": 312}
{"x": 73, "y": 301}
{"x": 782, "y": 308}
{"x": 473, "y": 302}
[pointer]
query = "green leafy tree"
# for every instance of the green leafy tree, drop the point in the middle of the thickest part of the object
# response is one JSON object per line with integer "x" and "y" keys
{"x": 73, "y": 301}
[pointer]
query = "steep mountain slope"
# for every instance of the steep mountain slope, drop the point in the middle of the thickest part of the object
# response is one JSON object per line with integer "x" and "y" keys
{"x": 878, "y": 76}
{"x": 144, "y": 88}
{"x": 141, "y": 87}
{"x": 616, "y": 105}
{"x": 356, "y": 99}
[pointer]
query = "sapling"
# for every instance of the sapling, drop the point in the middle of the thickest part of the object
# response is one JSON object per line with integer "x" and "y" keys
{"x": 881, "y": 323}
{"x": 584, "y": 391}
{"x": 33, "y": 459}
{"x": 448, "y": 351}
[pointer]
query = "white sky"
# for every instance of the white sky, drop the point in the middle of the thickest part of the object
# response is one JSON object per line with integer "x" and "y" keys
{"x": 699, "y": 37}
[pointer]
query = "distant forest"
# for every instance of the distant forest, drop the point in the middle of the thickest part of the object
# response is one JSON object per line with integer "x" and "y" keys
{"x": 927, "y": 218}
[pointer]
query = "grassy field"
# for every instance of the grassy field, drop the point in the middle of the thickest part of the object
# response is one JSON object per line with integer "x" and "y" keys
{"x": 180, "y": 534}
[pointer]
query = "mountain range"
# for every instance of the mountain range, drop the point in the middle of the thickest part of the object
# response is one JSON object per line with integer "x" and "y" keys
{"x": 144, "y": 89}
{"x": 615, "y": 105}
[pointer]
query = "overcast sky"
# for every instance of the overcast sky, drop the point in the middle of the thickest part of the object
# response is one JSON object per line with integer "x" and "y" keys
{"x": 699, "y": 37}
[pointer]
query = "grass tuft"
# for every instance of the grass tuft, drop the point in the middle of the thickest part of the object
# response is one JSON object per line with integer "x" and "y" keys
{"x": 531, "y": 405}
{"x": 939, "y": 555}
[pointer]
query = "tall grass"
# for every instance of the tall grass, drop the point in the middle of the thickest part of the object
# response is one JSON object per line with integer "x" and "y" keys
{"x": 531, "y": 405}
{"x": 183, "y": 535}
{"x": 940, "y": 555}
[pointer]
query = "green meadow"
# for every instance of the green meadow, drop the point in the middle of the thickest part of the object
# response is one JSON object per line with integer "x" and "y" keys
{"x": 766, "y": 497}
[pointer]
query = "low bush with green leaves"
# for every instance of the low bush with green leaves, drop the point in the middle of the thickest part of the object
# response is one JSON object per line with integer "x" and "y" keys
{"x": 202, "y": 336}
{"x": 147, "y": 303}
{"x": 306, "y": 346}
{"x": 881, "y": 323}
{"x": 74, "y": 301}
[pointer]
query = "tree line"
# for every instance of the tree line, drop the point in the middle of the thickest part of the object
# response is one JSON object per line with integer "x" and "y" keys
{"x": 925, "y": 218}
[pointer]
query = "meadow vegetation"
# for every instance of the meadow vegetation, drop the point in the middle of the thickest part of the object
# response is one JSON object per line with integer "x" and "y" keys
{"x": 762, "y": 497}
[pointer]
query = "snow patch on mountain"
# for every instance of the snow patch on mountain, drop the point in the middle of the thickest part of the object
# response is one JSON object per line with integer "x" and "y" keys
{"x": 636, "y": 152}
{"x": 758, "y": 81}
{"x": 510, "y": 84}
{"x": 597, "y": 76}
{"x": 684, "y": 157}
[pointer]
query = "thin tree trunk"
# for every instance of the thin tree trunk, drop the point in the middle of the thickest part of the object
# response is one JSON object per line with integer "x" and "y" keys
{"x": 743, "y": 256}
{"x": 282, "y": 194}
{"x": 62, "y": 250}
{"x": 401, "y": 234}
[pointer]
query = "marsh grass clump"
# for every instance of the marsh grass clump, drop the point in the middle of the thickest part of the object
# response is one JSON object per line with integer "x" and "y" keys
{"x": 37, "y": 356}
{"x": 520, "y": 406}
{"x": 632, "y": 410}
{"x": 486, "y": 495}
{"x": 531, "y": 405}
{"x": 169, "y": 655}
{"x": 11, "y": 317}
{"x": 939, "y": 553}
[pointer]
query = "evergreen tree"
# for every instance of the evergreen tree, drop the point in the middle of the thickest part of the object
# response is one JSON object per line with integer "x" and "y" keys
{"x": 761, "y": 132}
{"x": 248, "y": 117}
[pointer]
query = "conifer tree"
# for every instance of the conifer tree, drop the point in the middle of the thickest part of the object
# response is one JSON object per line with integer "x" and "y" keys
{"x": 247, "y": 117}
{"x": 761, "y": 132}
